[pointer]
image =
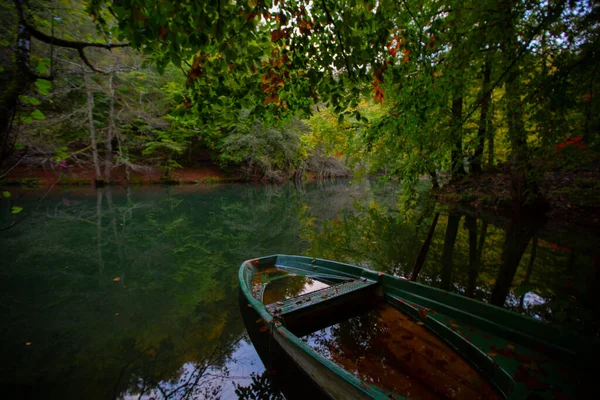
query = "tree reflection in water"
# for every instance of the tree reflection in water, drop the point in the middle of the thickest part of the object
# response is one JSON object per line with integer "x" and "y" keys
{"x": 130, "y": 291}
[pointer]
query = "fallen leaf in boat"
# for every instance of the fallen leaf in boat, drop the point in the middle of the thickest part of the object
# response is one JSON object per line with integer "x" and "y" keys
{"x": 117, "y": 314}
{"x": 258, "y": 321}
{"x": 454, "y": 325}
{"x": 263, "y": 329}
{"x": 510, "y": 346}
{"x": 117, "y": 279}
{"x": 249, "y": 305}
{"x": 492, "y": 354}
{"x": 420, "y": 323}
{"x": 27, "y": 343}
{"x": 423, "y": 313}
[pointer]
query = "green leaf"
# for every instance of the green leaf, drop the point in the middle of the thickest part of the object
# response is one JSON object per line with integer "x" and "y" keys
{"x": 37, "y": 114}
{"x": 16, "y": 209}
{"x": 43, "y": 86}
{"x": 43, "y": 65}
{"x": 19, "y": 146}
{"x": 6, "y": 194}
{"x": 27, "y": 120}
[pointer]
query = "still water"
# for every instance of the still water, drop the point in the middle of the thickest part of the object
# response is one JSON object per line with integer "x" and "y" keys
{"x": 132, "y": 292}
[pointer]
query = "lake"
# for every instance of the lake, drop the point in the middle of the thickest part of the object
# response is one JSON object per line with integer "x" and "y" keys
{"x": 133, "y": 292}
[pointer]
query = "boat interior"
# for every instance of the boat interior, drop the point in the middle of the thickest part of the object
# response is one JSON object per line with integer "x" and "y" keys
{"x": 352, "y": 323}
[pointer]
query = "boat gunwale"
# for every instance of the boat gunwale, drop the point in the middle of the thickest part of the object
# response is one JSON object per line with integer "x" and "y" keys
{"x": 476, "y": 314}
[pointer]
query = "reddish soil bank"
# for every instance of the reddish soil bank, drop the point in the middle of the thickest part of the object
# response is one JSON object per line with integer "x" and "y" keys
{"x": 84, "y": 176}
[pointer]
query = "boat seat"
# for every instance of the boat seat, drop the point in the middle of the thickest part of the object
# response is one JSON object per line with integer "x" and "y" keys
{"x": 318, "y": 297}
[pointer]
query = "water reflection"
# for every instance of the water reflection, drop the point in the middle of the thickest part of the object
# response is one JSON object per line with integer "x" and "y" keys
{"x": 122, "y": 293}
{"x": 540, "y": 270}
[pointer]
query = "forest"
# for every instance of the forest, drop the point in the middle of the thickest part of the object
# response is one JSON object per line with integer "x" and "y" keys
{"x": 149, "y": 147}
{"x": 276, "y": 90}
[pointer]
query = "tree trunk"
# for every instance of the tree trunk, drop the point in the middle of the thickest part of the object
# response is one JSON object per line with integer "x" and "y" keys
{"x": 90, "y": 110}
{"x": 424, "y": 250}
{"x": 525, "y": 189}
{"x": 518, "y": 236}
{"x": 471, "y": 223}
{"x": 111, "y": 129}
{"x": 434, "y": 181}
{"x": 529, "y": 271}
{"x": 490, "y": 134}
{"x": 486, "y": 95}
{"x": 9, "y": 98}
{"x": 458, "y": 168}
{"x": 449, "y": 242}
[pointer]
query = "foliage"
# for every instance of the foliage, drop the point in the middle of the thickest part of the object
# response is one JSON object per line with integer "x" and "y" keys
{"x": 265, "y": 151}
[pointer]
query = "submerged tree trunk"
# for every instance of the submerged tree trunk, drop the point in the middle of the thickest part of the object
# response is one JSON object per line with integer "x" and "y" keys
{"x": 486, "y": 95}
{"x": 90, "y": 110}
{"x": 518, "y": 236}
{"x": 449, "y": 242}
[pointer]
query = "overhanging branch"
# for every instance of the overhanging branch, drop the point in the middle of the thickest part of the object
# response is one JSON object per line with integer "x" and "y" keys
{"x": 70, "y": 44}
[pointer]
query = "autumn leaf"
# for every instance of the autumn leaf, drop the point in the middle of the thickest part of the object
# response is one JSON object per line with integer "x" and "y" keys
{"x": 406, "y": 55}
{"x": 27, "y": 343}
{"x": 162, "y": 32}
{"x": 278, "y": 34}
{"x": 263, "y": 329}
{"x": 117, "y": 279}
{"x": 274, "y": 98}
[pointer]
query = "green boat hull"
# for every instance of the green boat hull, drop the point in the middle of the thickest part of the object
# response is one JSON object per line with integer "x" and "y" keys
{"x": 518, "y": 355}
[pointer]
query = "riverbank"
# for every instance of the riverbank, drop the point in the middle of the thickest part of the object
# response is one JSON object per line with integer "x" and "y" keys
{"x": 573, "y": 195}
{"x": 76, "y": 176}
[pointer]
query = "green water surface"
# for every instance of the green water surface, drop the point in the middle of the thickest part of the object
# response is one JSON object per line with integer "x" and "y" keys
{"x": 133, "y": 292}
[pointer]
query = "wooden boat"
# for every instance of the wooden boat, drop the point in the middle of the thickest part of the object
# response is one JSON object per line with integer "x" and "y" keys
{"x": 361, "y": 334}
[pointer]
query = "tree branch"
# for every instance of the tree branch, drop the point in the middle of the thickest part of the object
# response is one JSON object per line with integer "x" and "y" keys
{"x": 71, "y": 44}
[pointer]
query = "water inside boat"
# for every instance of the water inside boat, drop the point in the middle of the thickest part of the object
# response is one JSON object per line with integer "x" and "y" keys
{"x": 374, "y": 341}
{"x": 280, "y": 284}
{"x": 389, "y": 349}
